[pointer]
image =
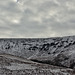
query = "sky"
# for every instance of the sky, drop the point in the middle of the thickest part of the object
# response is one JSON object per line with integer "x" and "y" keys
{"x": 37, "y": 18}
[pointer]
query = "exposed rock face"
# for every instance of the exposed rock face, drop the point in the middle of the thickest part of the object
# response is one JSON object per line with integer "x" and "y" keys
{"x": 55, "y": 51}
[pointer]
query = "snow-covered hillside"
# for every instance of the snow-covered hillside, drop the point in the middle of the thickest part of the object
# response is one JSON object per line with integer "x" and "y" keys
{"x": 12, "y": 65}
{"x": 58, "y": 51}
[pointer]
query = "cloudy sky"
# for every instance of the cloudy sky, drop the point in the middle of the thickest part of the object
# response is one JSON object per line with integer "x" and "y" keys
{"x": 37, "y": 18}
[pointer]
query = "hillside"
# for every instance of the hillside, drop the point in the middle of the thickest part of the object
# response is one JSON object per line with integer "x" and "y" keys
{"x": 11, "y": 65}
{"x": 59, "y": 51}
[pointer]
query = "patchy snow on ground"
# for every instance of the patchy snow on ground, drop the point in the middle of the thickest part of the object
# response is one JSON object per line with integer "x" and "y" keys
{"x": 57, "y": 51}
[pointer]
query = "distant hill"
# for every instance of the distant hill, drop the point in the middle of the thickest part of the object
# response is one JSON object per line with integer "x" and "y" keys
{"x": 59, "y": 51}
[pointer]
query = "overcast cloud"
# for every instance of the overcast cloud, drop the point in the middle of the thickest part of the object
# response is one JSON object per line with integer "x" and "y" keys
{"x": 37, "y": 18}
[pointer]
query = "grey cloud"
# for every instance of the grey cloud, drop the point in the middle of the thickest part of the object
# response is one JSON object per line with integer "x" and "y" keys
{"x": 41, "y": 18}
